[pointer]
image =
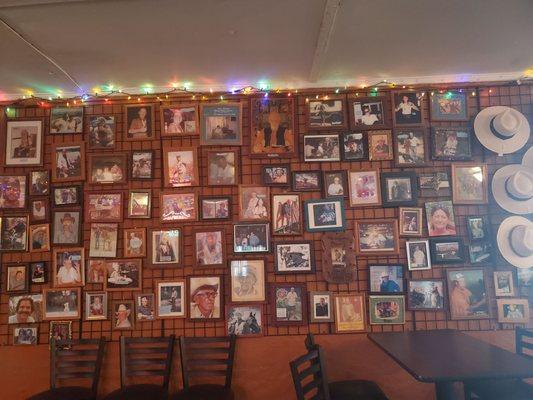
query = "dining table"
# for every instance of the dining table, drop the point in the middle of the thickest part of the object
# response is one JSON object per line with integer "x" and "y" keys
{"x": 447, "y": 356}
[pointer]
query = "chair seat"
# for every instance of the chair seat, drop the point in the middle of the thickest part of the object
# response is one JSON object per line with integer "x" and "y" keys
{"x": 508, "y": 389}
{"x": 204, "y": 392}
{"x": 139, "y": 392}
{"x": 65, "y": 393}
{"x": 355, "y": 389}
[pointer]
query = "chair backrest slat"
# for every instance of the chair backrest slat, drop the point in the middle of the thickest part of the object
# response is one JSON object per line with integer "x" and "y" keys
{"x": 524, "y": 346}
{"x": 308, "y": 365}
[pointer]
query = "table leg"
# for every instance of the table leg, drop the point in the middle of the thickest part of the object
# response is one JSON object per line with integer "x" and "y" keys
{"x": 444, "y": 390}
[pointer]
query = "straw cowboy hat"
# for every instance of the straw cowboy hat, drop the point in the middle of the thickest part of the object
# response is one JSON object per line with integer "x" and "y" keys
{"x": 502, "y": 130}
{"x": 512, "y": 186}
{"x": 515, "y": 241}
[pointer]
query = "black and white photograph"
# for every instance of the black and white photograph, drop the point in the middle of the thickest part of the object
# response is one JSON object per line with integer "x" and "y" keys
{"x": 66, "y": 120}
{"x": 102, "y": 131}
{"x": 276, "y": 175}
{"x": 326, "y": 114}
{"x": 335, "y": 184}
{"x": 141, "y": 164}
{"x": 368, "y": 112}
{"x": 24, "y": 143}
{"x": 294, "y": 257}
{"x": 244, "y": 320}
{"x": 321, "y": 148}
{"x": 418, "y": 255}
{"x": 407, "y": 108}
{"x": 321, "y": 304}
{"x": 251, "y": 238}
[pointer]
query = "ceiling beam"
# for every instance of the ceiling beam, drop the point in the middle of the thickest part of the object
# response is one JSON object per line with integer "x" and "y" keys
{"x": 324, "y": 35}
{"x": 28, "y": 3}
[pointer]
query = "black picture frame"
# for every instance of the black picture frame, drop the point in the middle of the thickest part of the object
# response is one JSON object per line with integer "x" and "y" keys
{"x": 131, "y": 165}
{"x": 382, "y": 267}
{"x": 441, "y": 150}
{"x": 354, "y": 146}
{"x": 267, "y": 180}
{"x": 435, "y": 184}
{"x": 33, "y": 267}
{"x": 400, "y": 135}
{"x": 79, "y": 195}
{"x": 437, "y": 258}
{"x": 215, "y": 199}
{"x": 298, "y": 188}
{"x": 387, "y": 201}
{"x": 344, "y": 183}
{"x": 473, "y": 231}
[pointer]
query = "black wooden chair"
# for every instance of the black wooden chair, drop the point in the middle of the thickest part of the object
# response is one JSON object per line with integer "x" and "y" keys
{"x": 508, "y": 389}
{"x": 73, "y": 360}
{"x": 210, "y": 359}
{"x": 319, "y": 384}
{"x": 144, "y": 357}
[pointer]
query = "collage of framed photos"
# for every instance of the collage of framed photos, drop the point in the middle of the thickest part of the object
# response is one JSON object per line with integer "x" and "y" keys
{"x": 47, "y": 212}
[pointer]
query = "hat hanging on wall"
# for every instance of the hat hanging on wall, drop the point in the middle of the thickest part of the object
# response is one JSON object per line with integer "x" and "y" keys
{"x": 515, "y": 241}
{"x": 502, "y": 130}
{"x": 512, "y": 186}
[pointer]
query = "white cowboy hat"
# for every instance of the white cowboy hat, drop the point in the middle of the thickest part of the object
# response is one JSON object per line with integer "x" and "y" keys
{"x": 515, "y": 241}
{"x": 502, "y": 130}
{"x": 512, "y": 186}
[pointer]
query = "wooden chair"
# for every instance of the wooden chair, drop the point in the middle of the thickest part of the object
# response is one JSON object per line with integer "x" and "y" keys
{"x": 73, "y": 360}
{"x": 508, "y": 389}
{"x": 144, "y": 357}
{"x": 210, "y": 359}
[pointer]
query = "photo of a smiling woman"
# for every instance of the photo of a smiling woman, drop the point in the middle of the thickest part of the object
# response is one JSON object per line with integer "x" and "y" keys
{"x": 440, "y": 217}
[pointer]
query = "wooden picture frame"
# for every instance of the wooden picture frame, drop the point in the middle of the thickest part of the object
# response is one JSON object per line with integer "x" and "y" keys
{"x": 68, "y": 161}
{"x": 294, "y": 257}
{"x": 199, "y": 290}
{"x": 380, "y": 145}
{"x": 467, "y": 278}
{"x": 39, "y": 238}
{"x": 140, "y": 204}
{"x": 280, "y": 299}
{"x": 175, "y": 299}
{"x": 213, "y": 208}
{"x": 39, "y": 183}
{"x": 338, "y": 257}
{"x": 381, "y": 310}
{"x": 449, "y": 105}
{"x": 67, "y": 196}
{"x": 369, "y": 112}
{"x": 103, "y": 206}
{"x": 122, "y": 315}
{"x": 177, "y": 207}
{"x": 419, "y": 256}
{"x": 364, "y": 188}
{"x": 204, "y": 255}
{"x": 24, "y": 142}
{"x": 137, "y": 127}
{"x": 96, "y": 271}
{"x": 417, "y": 299}
{"x": 519, "y": 314}
{"x": 123, "y": 275}
{"x": 227, "y": 176}
{"x": 167, "y": 247}
{"x": 13, "y": 303}
{"x": 394, "y": 282}
{"x": 465, "y": 187}
{"x": 250, "y": 210}
{"x": 96, "y": 312}
{"x": 306, "y": 181}
{"x": 39, "y": 210}
{"x": 410, "y": 221}
{"x": 115, "y": 163}
{"x": 276, "y": 175}
{"x": 377, "y": 241}
{"x": 321, "y": 302}
{"x": 399, "y": 189}
{"x": 103, "y": 240}
{"x": 414, "y": 103}
{"x": 322, "y": 148}
{"x": 182, "y": 175}
{"x": 410, "y": 147}
{"x": 12, "y": 240}
{"x": 254, "y": 324}
{"x": 13, "y": 191}
{"x": 70, "y": 296}
{"x": 325, "y": 209}
{"x": 140, "y": 162}
{"x": 179, "y": 120}
{"x": 60, "y": 330}
{"x": 145, "y": 312}
{"x": 248, "y": 281}
{"x": 66, "y": 120}
{"x": 286, "y": 214}
{"x": 449, "y": 250}
{"x": 31, "y": 336}
{"x": 451, "y": 144}
{"x": 354, "y": 146}
{"x": 102, "y": 132}
{"x": 67, "y": 264}
{"x": 17, "y": 278}
{"x": 335, "y": 183}
{"x": 62, "y": 221}
{"x": 504, "y": 284}
{"x": 135, "y": 243}
{"x": 212, "y": 115}
{"x": 354, "y": 314}
{"x": 324, "y": 114}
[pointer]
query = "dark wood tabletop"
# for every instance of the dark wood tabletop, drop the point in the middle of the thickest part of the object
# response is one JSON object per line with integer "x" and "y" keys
{"x": 449, "y": 355}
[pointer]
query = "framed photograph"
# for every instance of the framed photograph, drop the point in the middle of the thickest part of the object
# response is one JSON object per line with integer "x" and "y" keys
{"x": 96, "y": 271}
{"x": 38, "y": 273}
{"x": 399, "y": 189}
{"x": 368, "y": 113}
{"x": 223, "y": 168}
{"x": 504, "y": 284}
{"x": 411, "y": 221}
{"x": 62, "y": 304}
{"x": 326, "y": 114}
{"x": 480, "y": 253}
{"x": 276, "y": 175}
{"x": 322, "y": 148}
{"x": 513, "y": 311}
{"x": 170, "y": 300}
{"x": 410, "y": 147}
{"x": 123, "y": 275}
{"x": 60, "y": 330}
{"x": 251, "y": 238}
{"x": 386, "y": 310}
{"x": 321, "y": 307}
{"x": 286, "y": 215}
{"x": 140, "y": 204}
{"x": 338, "y": 259}
{"x": 355, "y": 146}
{"x": 451, "y": 144}
{"x": 335, "y": 184}
{"x": 66, "y": 120}
{"x": 67, "y": 227}
{"x": 407, "y": 107}
{"x": 17, "y": 278}
{"x": 14, "y": 233}
{"x": 254, "y": 203}
{"x": 68, "y": 161}
{"x": 145, "y": 307}
{"x": 440, "y": 218}
{"x": 67, "y": 195}
{"x": 209, "y": 247}
{"x": 25, "y": 309}
{"x": 39, "y": 210}
{"x": 25, "y": 336}
{"x": 180, "y": 166}
{"x": 467, "y": 293}
{"x": 215, "y": 208}
{"x": 349, "y": 313}
{"x": 325, "y": 215}
{"x": 307, "y": 181}
{"x": 24, "y": 143}
{"x": 478, "y": 227}
{"x": 13, "y": 192}
{"x": 166, "y": 247}
{"x": 290, "y": 302}
{"x": 418, "y": 254}
{"x": 376, "y": 237}
{"x": 205, "y": 297}
{"x": 364, "y": 188}
{"x": 425, "y": 295}
{"x": 470, "y": 184}
{"x": 450, "y": 105}
{"x": 95, "y": 306}
{"x": 447, "y": 250}
{"x": 39, "y": 238}
{"x": 386, "y": 279}
{"x": 105, "y": 169}
{"x": 40, "y": 183}
{"x": 135, "y": 243}
{"x": 247, "y": 281}
{"x": 142, "y": 165}
{"x": 221, "y": 124}
{"x": 272, "y": 127}
{"x": 68, "y": 267}
{"x": 294, "y": 257}
{"x": 175, "y": 207}
{"x": 435, "y": 184}
{"x": 103, "y": 207}
{"x": 103, "y": 240}
{"x": 102, "y": 132}
{"x": 123, "y": 315}
{"x": 180, "y": 120}
{"x": 139, "y": 122}
{"x": 380, "y": 145}
{"x": 245, "y": 320}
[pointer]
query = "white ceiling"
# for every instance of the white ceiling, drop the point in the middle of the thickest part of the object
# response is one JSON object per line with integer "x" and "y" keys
{"x": 221, "y": 44}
